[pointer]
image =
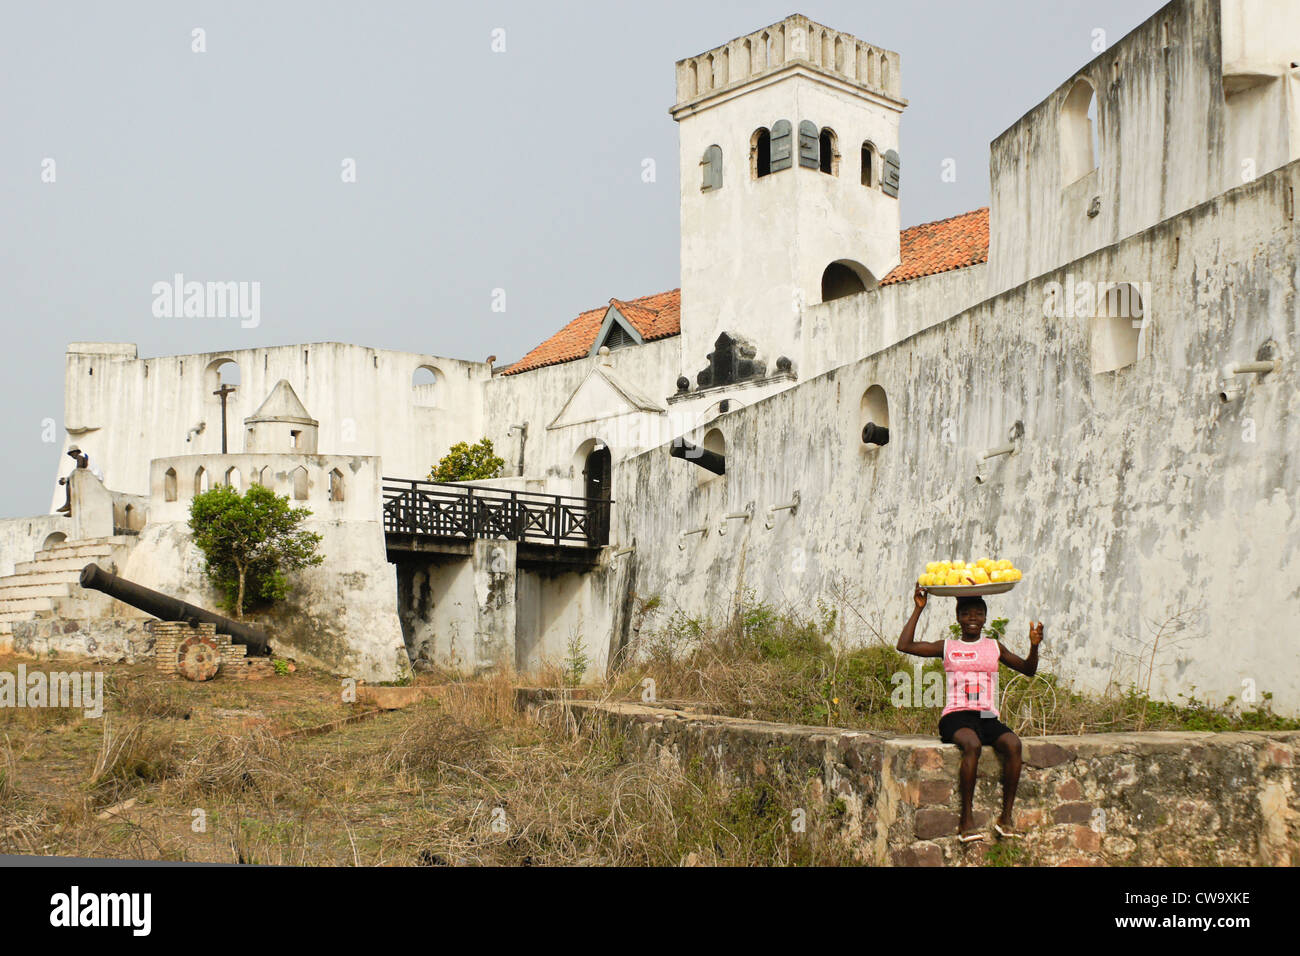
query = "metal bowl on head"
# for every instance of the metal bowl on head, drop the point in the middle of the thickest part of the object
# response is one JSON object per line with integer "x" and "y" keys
{"x": 969, "y": 590}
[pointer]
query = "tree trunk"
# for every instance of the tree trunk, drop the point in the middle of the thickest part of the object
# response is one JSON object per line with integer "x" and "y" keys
{"x": 239, "y": 599}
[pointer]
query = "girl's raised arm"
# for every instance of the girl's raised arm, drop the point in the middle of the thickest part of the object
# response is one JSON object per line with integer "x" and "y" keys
{"x": 905, "y": 642}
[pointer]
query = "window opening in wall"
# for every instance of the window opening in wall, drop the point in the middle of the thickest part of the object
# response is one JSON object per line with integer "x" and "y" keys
{"x": 427, "y": 386}
{"x": 829, "y": 155}
{"x": 842, "y": 278}
{"x": 761, "y": 149}
{"x": 300, "y": 483}
{"x": 1120, "y": 329}
{"x": 716, "y": 443}
{"x": 873, "y": 417}
{"x": 336, "y": 485}
{"x": 294, "y": 436}
{"x": 868, "y": 163}
{"x": 1078, "y": 132}
{"x": 169, "y": 485}
{"x": 618, "y": 337}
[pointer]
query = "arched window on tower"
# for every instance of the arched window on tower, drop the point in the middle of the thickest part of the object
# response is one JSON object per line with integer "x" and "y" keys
{"x": 760, "y": 152}
{"x": 868, "y": 164}
{"x": 828, "y": 154}
{"x": 711, "y": 166}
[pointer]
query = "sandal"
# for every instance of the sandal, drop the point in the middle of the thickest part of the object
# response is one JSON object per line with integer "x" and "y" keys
{"x": 970, "y": 836}
{"x": 1007, "y": 832}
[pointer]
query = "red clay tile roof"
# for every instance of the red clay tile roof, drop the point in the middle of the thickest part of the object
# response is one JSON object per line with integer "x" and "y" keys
{"x": 926, "y": 250}
{"x": 654, "y": 316}
{"x": 935, "y": 247}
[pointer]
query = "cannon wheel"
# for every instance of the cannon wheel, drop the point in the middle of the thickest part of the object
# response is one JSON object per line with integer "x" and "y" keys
{"x": 198, "y": 658}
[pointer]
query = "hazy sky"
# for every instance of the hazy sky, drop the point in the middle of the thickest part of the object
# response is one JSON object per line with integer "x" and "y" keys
{"x": 475, "y": 170}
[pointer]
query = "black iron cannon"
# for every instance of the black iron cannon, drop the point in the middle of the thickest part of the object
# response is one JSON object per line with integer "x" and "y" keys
{"x": 701, "y": 456}
{"x": 170, "y": 609}
{"x": 873, "y": 434}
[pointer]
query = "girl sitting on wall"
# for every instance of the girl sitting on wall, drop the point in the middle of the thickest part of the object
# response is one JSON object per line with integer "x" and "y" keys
{"x": 971, "y": 717}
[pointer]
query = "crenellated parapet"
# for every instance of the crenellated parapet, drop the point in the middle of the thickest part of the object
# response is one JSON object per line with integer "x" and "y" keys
{"x": 794, "y": 40}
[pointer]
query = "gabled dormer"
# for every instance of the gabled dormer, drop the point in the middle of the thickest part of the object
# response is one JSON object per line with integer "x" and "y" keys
{"x": 617, "y": 330}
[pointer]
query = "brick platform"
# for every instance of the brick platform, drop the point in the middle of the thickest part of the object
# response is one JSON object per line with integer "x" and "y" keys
{"x": 235, "y": 665}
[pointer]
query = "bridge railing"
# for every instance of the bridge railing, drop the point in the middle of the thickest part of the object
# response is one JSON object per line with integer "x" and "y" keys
{"x": 432, "y": 509}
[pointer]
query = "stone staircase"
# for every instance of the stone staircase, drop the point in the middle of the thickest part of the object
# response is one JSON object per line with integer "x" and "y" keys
{"x": 48, "y": 585}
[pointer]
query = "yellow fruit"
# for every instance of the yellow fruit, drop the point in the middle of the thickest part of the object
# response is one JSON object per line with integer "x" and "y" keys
{"x": 1003, "y": 565}
{"x": 959, "y": 565}
{"x": 1016, "y": 574}
{"x": 980, "y": 575}
{"x": 995, "y": 576}
{"x": 932, "y": 567}
{"x": 953, "y": 578}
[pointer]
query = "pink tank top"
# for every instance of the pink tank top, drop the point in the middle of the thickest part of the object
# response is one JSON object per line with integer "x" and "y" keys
{"x": 972, "y": 670}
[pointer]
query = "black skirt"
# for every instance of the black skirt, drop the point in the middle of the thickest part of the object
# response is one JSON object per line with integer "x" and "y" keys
{"x": 988, "y": 728}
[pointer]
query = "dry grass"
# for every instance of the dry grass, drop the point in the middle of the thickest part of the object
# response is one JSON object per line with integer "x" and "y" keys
{"x": 783, "y": 665}
{"x": 130, "y": 755}
{"x": 461, "y": 780}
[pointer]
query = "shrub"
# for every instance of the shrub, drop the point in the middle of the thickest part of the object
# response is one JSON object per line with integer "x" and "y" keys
{"x": 250, "y": 542}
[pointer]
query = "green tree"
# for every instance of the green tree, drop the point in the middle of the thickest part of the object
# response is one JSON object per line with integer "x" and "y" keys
{"x": 251, "y": 541}
{"x": 468, "y": 462}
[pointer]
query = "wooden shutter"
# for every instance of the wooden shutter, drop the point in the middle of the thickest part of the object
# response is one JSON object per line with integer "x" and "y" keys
{"x": 808, "y": 145}
{"x": 781, "y": 145}
{"x": 712, "y": 164}
{"x": 889, "y": 179}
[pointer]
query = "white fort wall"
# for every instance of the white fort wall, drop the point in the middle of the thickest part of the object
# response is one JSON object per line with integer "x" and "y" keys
{"x": 1134, "y": 494}
{"x": 21, "y": 538}
{"x": 124, "y": 411}
{"x": 837, "y": 332}
{"x": 1191, "y": 103}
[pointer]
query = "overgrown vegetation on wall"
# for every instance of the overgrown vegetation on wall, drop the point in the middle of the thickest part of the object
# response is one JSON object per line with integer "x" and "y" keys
{"x": 465, "y": 462}
{"x": 251, "y": 542}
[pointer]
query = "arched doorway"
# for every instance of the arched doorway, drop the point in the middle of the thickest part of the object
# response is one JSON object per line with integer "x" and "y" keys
{"x": 596, "y": 479}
